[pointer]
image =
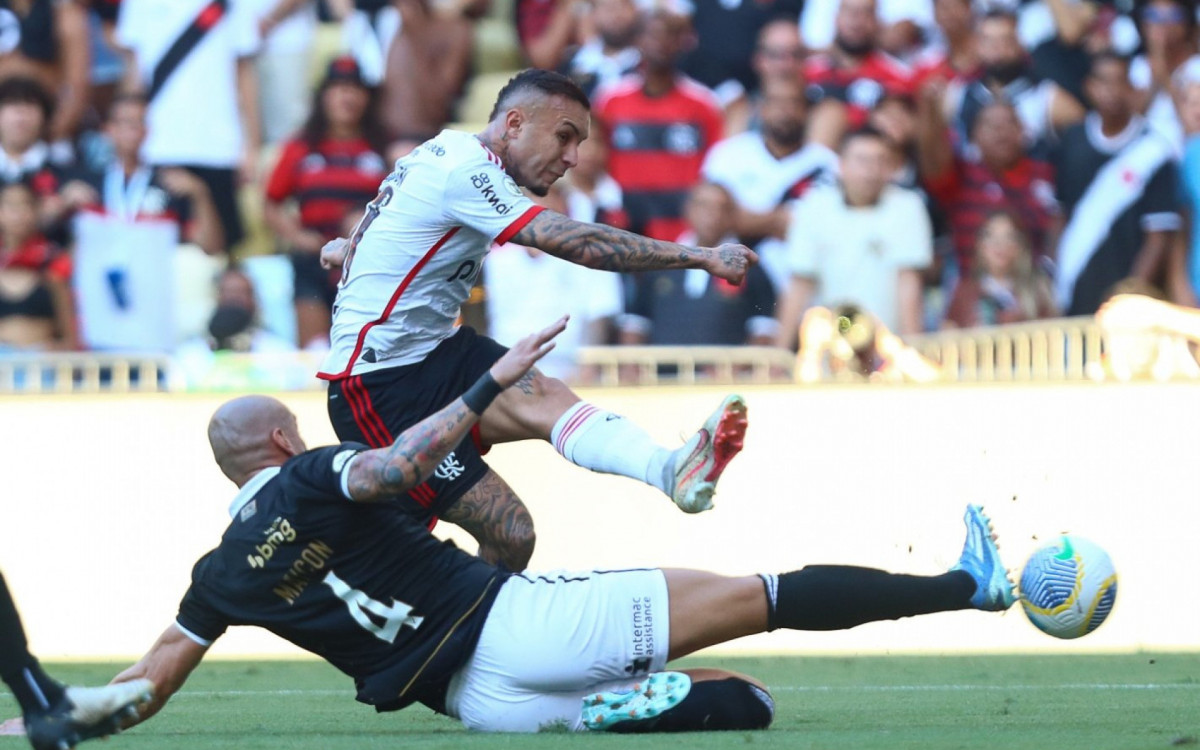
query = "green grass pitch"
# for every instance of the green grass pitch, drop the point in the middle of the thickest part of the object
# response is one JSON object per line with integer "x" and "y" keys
{"x": 1090, "y": 702}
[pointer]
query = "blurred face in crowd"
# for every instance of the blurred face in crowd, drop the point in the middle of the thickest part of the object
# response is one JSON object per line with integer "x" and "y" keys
{"x": 18, "y": 213}
{"x": 856, "y": 27}
{"x": 593, "y": 160}
{"x": 779, "y": 53}
{"x": 126, "y": 127}
{"x": 1164, "y": 25}
{"x": 953, "y": 17}
{"x": 709, "y": 212}
{"x": 543, "y": 134}
{"x": 20, "y": 125}
{"x": 999, "y": 246}
{"x": 1109, "y": 90}
{"x": 999, "y": 136}
{"x": 345, "y": 104}
{"x": 783, "y": 112}
{"x": 616, "y": 22}
{"x": 664, "y": 38}
{"x": 1000, "y": 51}
{"x": 867, "y": 166}
{"x": 234, "y": 289}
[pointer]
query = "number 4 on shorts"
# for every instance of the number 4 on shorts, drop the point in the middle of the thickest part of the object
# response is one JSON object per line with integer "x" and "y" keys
{"x": 394, "y": 616}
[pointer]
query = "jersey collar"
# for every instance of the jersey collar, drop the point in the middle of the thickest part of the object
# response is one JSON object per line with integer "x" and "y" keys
{"x": 250, "y": 489}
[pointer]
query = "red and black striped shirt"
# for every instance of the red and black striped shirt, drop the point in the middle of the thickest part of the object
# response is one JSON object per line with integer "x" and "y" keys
{"x": 326, "y": 182}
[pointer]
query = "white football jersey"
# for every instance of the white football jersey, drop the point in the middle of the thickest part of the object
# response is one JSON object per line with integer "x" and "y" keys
{"x": 417, "y": 252}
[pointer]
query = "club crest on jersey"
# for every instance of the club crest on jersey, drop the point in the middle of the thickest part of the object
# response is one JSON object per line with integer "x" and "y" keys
{"x": 279, "y": 533}
{"x": 450, "y": 468}
{"x": 483, "y": 183}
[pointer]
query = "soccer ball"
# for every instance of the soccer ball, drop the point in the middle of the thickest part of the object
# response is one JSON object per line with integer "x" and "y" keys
{"x": 1068, "y": 587}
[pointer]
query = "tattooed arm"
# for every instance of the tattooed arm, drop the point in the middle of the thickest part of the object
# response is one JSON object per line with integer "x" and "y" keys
{"x": 493, "y": 514}
{"x": 611, "y": 249}
{"x": 387, "y": 472}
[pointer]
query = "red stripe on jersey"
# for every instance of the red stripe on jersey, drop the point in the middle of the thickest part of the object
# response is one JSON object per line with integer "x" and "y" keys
{"x": 580, "y": 417}
{"x": 391, "y": 305}
{"x": 477, "y": 438}
{"x": 209, "y": 16}
{"x": 365, "y": 426}
{"x": 518, "y": 224}
{"x": 370, "y": 413}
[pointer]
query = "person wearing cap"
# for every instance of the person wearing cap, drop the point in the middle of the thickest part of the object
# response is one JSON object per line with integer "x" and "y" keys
{"x": 333, "y": 165}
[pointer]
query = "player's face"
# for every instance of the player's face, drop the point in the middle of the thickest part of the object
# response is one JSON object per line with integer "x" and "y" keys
{"x": 543, "y": 141}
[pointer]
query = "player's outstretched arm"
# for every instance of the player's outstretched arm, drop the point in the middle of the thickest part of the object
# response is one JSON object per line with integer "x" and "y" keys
{"x": 611, "y": 249}
{"x": 386, "y": 472}
{"x": 168, "y": 664}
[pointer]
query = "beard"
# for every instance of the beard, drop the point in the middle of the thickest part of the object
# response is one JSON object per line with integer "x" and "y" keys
{"x": 854, "y": 49}
{"x": 618, "y": 38}
{"x": 1006, "y": 72}
{"x": 789, "y": 135}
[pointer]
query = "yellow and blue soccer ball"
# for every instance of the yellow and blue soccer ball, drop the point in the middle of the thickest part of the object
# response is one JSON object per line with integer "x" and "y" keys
{"x": 1068, "y": 587}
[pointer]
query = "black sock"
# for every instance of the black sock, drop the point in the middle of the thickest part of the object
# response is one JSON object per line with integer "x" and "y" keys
{"x": 837, "y": 597}
{"x": 34, "y": 689}
{"x": 711, "y": 705}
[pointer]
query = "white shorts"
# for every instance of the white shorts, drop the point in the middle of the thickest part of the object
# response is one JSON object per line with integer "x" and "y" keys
{"x": 553, "y": 638}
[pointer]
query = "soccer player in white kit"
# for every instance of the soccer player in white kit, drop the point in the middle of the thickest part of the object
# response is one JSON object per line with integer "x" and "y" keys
{"x": 397, "y": 353}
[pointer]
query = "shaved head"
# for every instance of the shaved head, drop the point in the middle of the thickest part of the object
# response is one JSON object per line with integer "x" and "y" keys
{"x": 251, "y": 433}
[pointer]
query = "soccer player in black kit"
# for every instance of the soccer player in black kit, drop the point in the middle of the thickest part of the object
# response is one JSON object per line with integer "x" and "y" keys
{"x": 320, "y": 552}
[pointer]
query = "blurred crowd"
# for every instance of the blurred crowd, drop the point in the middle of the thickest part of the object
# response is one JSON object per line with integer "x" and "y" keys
{"x": 922, "y": 164}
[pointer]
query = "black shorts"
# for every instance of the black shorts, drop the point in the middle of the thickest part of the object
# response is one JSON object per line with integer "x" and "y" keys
{"x": 375, "y": 407}
{"x": 310, "y": 281}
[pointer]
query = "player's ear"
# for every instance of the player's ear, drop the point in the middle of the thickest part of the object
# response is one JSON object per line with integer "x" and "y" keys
{"x": 513, "y": 120}
{"x": 281, "y": 440}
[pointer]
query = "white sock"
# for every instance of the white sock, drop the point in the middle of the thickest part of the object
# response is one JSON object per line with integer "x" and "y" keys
{"x": 609, "y": 443}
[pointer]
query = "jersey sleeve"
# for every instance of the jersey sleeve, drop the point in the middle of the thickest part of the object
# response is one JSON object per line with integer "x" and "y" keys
{"x": 320, "y": 475}
{"x": 199, "y": 616}
{"x": 281, "y": 185}
{"x": 1160, "y": 202}
{"x": 481, "y": 196}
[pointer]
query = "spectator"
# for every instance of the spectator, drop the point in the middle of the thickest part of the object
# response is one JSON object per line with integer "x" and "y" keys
{"x": 659, "y": 124}
{"x": 854, "y": 71}
{"x": 848, "y": 342}
{"x": 953, "y": 55}
{"x": 1118, "y": 187}
{"x": 47, "y": 40}
{"x": 332, "y": 167}
{"x": 288, "y": 29}
{"x": 427, "y": 65}
{"x": 593, "y": 298}
{"x": 1004, "y": 285}
{"x": 1169, "y": 35}
{"x": 216, "y": 135}
{"x": 727, "y": 35}
{"x": 1185, "y": 275}
{"x": 369, "y": 27}
{"x": 995, "y": 176}
{"x": 612, "y": 53}
{"x": 864, "y": 242}
{"x": 689, "y": 307}
{"x": 902, "y": 22}
{"x": 36, "y": 309}
{"x": 1043, "y": 107}
{"x": 132, "y": 220}
{"x": 778, "y": 54}
{"x": 25, "y": 108}
{"x": 546, "y": 29}
{"x": 1062, "y": 35}
{"x": 592, "y": 194}
{"x": 766, "y": 170}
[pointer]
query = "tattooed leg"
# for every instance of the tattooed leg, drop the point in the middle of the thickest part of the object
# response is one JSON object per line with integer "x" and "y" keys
{"x": 526, "y": 411}
{"x": 493, "y": 514}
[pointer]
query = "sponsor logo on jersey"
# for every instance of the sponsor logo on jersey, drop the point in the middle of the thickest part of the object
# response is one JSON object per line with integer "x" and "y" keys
{"x": 279, "y": 533}
{"x": 248, "y": 511}
{"x": 511, "y": 186}
{"x": 483, "y": 183}
{"x": 450, "y": 468}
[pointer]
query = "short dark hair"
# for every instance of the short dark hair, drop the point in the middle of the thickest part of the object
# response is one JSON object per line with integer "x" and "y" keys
{"x": 547, "y": 82}
{"x": 23, "y": 90}
{"x": 997, "y": 14}
{"x": 126, "y": 97}
{"x": 866, "y": 131}
{"x": 1104, "y": 56}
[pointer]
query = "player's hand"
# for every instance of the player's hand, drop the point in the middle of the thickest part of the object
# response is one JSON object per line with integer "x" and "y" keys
{"x": 518, "y": 360}
{"x": 730, "y": 262}
{"x": 333, "y": 254}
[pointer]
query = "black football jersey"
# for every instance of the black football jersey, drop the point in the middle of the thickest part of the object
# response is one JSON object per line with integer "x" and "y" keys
{"x": 362, "y": 585}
